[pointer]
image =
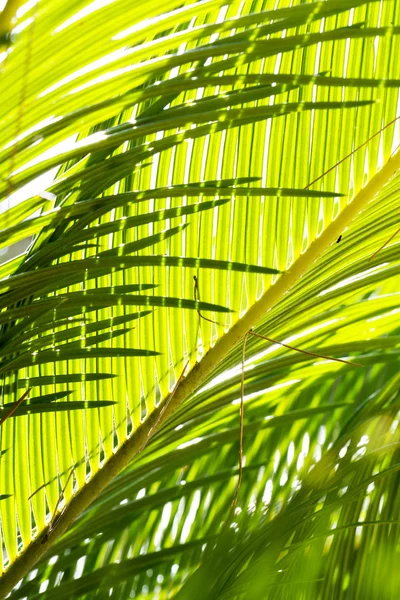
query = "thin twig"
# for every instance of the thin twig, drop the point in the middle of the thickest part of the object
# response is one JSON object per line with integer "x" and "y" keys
{"x": 251, "y": 332}
{"x": 341, "y": 360}
{"x": 384, "y": 245}
{"x": 352, "y": 152}
{"x": 197, "y": 297}
{"x": 55, "y": 519}
{"x": 239, "y": 481}
{"x": 348, "y": 156}
{"x": 395, "y": 233}
{"x": 38, "y": 490}
{"x": 16, "y": 406}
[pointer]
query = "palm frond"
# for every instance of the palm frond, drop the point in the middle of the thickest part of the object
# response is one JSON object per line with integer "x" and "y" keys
{"x": 117, "y": 120}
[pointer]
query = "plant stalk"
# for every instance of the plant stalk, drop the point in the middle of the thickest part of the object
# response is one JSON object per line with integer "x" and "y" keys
{"x": 7, "y": 15}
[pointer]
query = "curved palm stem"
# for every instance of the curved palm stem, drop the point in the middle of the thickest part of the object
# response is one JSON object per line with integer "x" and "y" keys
{"x": 7, "y": 16}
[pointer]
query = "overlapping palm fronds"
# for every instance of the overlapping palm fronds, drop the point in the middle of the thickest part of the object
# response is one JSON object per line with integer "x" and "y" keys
{"x": 142, "y": 147}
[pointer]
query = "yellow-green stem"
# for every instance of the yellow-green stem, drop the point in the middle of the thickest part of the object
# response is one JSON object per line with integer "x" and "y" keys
{"x": 7, "y": 16}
